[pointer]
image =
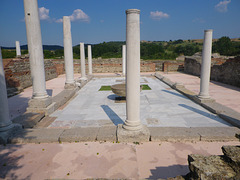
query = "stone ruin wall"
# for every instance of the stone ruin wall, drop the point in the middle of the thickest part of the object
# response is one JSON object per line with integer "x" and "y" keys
{"x": 225, "y": 71}
{"x": 18, "y": 75}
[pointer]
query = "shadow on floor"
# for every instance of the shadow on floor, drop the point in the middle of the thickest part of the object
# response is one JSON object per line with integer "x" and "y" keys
{"x": 206, "y": 114}
{"x": 112, "y": 115}
{"x": 169, "y": 171}
{"x": 176, "y": 94}
{"x": 112, "y": 97}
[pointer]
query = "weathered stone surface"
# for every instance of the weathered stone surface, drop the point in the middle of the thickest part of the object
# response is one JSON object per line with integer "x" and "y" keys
{"x": 216, "y": 133}
{"x": 40, "y": 103}
{"x": 233, "y": 154}
{"x": 36, "y": 136}
{"x": 5, "y": 135}
{"x": 123, "y": 135}
{"x": 79, "y": 134}
{"x": 211, "y": 167}
{"x": 173, "y": 134}
{"x": 107, "y": 133}
{"x": 64, "y": 96}
{"x": 48, "y": 110}
{"x": 28, "y": 120}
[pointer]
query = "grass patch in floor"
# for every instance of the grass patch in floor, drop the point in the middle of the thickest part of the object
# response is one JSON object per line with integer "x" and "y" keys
{"x": 146, "y": 87}
{"x": 108, "y": 88}
{"x": 105, "y": 88}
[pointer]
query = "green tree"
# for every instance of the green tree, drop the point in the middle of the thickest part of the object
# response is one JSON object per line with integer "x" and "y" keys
{"x": 224, "y": 46}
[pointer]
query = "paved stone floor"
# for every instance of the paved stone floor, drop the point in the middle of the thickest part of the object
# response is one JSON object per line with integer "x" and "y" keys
{"x": 160, "y": 107}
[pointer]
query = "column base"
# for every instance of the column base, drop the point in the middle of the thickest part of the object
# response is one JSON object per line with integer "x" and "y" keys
{"x": 44, "y": 105}
{"x": 70, "y": 85}
{"x": 142, "y": 135}
{"x": 201, "y": 99}
{"x": 4, "y": 135}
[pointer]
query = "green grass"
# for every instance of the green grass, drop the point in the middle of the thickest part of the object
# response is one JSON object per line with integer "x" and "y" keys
{"x": 105, "y": 88}
{"x": 146, "y": 87}
{"x": 108, "y": 88}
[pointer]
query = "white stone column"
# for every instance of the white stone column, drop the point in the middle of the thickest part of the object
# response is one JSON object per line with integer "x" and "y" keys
{"x": 82, "y": 54}
{"x": 89, "y": 59}
{"x": 5, "y": 122}
{"x": 68, "y": 52}
{"x": 35, "y": 49}
{"x": 133, "y": 71}
{"x": 123, "y": 60}
{"x": 18, "y": 49}
{"x": 206, "y": 65}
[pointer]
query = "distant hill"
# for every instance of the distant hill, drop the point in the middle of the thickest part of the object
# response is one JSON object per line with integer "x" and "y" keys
{"x": 45, "y": 47}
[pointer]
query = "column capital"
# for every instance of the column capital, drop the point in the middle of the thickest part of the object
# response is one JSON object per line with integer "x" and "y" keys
{"x": 132, "y": 11}
{"x": 208, "y": 30}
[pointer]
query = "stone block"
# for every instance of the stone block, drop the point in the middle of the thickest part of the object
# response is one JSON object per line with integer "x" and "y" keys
{"x": 70, "y": 86}
{"x": 28, "y": 120}
{"x": 124, "y": 135}
{"x": 6, "y": 135}
{"x": 233, "y": 155}
{"x": 211, "y": 167}
{"x": 173, "y": 134}
{"x": 40, "y": 103}
{"x": 203, "y": 100}
{"x": 79, "y": 134}
{"x": 216, "y": 133}
{"x": 36, "y": 136}
{"x": 47, "y": 110}
{"x": 107, "y": 133}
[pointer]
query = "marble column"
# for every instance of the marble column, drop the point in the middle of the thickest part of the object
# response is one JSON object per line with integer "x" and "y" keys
{"x": 5, "y": 122}
{"x": 133, "y": 71}
{"x": 40, "y": 101}
{"x": 123, "y": 60}
{"x": 89, "y": 59}
{"x": 18, "y": 49}
{"x": 68, "y": 53}
{"x": 206, "y": 65}
{"x": 35, "y": 49}
{"x": 82, "y": 54}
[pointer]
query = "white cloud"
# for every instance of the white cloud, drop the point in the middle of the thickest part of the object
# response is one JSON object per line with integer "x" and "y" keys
{"x": 222, "y": 6}
{"x": 44, "y": 13}
{"x": 157, "y": 15}
{"x": 77, "y": 15}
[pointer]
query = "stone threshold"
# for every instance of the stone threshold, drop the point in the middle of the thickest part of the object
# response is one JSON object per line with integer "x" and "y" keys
{"x": 224, "y": 112}
{"x": 109, "y": 133}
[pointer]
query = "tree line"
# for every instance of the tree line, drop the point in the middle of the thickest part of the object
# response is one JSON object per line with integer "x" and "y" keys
{"x": 149, "y": 50}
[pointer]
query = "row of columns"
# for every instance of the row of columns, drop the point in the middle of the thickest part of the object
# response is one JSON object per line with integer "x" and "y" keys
{"x": 132, "y": 122}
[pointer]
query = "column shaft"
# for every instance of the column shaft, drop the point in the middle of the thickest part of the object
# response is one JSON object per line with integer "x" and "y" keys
{"x": 206, "y": 64}
{"x": 123, "y": 60}
{"x": 34, "y": 39}
{"x": 18, "y": 49}
{"x": 5, "y": 122}
{"x": 68, "y": 51}
{"x": 133, "y": 71}
{"x": 89, "y": 59}
{"x": 82, "y": 54}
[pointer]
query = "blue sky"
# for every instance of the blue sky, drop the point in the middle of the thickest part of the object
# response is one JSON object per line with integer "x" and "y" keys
{"x": 96, "y": 21}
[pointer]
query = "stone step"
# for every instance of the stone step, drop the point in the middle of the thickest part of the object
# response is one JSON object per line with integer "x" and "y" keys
{"x": 211, "y": 167}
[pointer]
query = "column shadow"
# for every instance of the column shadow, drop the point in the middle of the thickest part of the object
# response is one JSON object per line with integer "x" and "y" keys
{"x": 112, "y": 115}
{"x": 206, "y": 114}
{"x": 176, "y": 94}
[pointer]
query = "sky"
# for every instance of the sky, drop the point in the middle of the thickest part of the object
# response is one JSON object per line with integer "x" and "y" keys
{"x": 97, "y": 21}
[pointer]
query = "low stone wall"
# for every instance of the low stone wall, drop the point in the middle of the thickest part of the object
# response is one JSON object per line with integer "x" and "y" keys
{"x": 18, "y": 74}
{"x": 167, "y": 65}
{"x": 225, "y": 71}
